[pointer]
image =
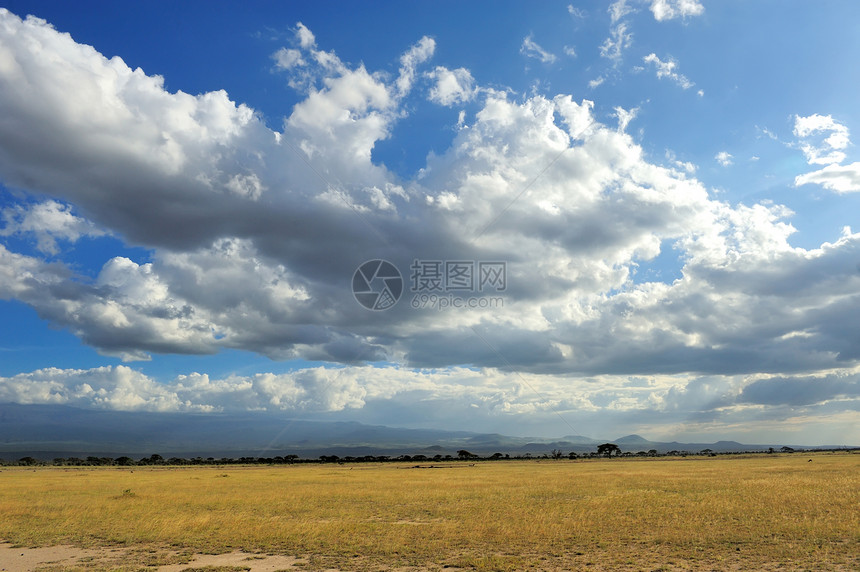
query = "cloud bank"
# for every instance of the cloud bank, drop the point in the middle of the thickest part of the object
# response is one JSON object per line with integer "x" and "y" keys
{"x": 495, "y": 399}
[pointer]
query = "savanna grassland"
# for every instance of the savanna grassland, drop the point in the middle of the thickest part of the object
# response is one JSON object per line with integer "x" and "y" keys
{"x": 713, "y": 513}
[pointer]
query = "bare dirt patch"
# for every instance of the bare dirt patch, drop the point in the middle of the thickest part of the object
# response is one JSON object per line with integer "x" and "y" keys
{"x": 26, "y": 559}
{"x": 58, "y": 558}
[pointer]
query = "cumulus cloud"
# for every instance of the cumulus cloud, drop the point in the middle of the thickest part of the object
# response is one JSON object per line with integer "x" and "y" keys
{"x": 48, "y": 222}
{"x": 682, "y": 165}
{"x": 288, "y": 58}
{"x": 823, "y": 141}
{"x": 670, "y": 9}
{"x": 531, "y": 49}
{"x": 254, "y": 236}
{"x": 830, "y": 149}
{"x": 668, "y": 69}
{"x": 123, "y": 389}
{"x": 306, "y": 37}
{"x": 451, "y": 87}
{"x": 417, "y": 55}
{"x": 724, "y": 158}
{"x": 487, "y": 399}
{"x": 839, "y": 178}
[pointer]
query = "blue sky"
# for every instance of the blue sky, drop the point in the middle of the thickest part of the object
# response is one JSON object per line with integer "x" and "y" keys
{"x": 187, "y": 189}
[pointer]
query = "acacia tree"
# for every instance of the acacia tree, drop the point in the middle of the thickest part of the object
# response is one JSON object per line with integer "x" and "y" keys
{"x": 608, "y": 448}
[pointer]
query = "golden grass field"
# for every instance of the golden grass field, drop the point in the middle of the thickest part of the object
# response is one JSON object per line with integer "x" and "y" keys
{"x": 711, "y": 513}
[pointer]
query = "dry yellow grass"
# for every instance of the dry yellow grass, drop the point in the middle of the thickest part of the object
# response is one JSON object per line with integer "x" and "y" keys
{"x": 640, "y": 514}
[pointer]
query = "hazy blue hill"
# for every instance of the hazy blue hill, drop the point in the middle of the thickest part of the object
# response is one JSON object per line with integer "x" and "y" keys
{"x": 580, "y": 439}
{"x": 727, "y": 444}
{"x": 66, "y": 429}
{"x": 632, "y": 440}
{"x": 47, "y": 431}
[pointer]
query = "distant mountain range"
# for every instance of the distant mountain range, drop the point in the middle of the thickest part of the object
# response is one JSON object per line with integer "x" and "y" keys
{"x": 48, "y": 431}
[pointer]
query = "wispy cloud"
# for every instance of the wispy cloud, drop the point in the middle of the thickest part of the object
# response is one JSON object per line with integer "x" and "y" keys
{"x": 576, "y": 12}
{"x": 619, "y": 40}
{"x": 531, "y": 49}
{"x": 667, "y": 69}
{"x": 618, "y": 9}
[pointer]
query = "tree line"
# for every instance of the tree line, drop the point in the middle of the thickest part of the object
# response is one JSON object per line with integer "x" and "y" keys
{"x": 605, "y": 450}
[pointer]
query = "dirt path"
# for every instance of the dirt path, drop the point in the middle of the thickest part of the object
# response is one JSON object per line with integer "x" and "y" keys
{"x": 56, "y": 557}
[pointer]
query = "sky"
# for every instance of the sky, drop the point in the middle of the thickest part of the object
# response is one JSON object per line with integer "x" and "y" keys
{"x": 535, "y": 219}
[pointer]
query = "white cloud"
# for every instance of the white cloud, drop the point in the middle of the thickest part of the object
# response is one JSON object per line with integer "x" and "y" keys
{"x": 417, "y": 54}
{"x": 667, "y": 69}
{"x": 682, "y": 165}
{"x": 531, "y": 49}
{"x": 830, "y": 149}
{"x": 123, "y": 389}
{"x": 570, "y": 51}
{"x": 451, "y": 86}
{"x": 119, "y": 388}
{"x": 619, "y": 40}
{"x": 596, "y": 82}
{"x": 724, "y": 158}
{"x": 669, "y": 9}
{"x": 806, "y": 126}
{"x": 829, "y": 139}
{"x": 618, "y": 9}
{"x": 255, "y": 234}
{"x": 288, "y": 59}
{"x": 839, "y": 178}
{"x": 575, "y": 12}
{"x": 305, "y": 37}
{"x": 625, "y": 116}
{"x": 605, "y": 406}
{"x": 47, "y": 221}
